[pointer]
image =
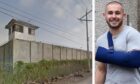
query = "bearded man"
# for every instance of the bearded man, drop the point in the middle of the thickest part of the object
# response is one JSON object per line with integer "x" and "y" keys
{"x": 118, "y": 50}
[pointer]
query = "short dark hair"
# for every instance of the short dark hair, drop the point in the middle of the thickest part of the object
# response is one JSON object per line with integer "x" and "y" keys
{"x": 114, "y": 2}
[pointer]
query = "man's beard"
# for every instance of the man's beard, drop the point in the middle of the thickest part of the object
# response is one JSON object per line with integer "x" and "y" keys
{"x": 115, "y": 27}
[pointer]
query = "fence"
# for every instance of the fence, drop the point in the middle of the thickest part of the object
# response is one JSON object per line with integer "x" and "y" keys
{"x": 31, "y": 51}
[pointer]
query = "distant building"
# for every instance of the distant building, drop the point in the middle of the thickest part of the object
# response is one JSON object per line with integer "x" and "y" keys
{"x": 21, "y": 30}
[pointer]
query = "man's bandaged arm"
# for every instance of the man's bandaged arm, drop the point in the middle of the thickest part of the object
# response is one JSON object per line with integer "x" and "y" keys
{"x": 127, "y": 59}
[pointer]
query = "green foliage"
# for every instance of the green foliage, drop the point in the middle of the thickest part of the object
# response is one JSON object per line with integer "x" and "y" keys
{"x": 24, "y": 72}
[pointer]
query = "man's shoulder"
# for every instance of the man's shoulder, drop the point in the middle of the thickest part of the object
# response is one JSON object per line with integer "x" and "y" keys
{"x": 133, "y": 39}
{"x": 102, "y": 37}
{"x": 131, "y": 29}
{"x": 102, "y": 40}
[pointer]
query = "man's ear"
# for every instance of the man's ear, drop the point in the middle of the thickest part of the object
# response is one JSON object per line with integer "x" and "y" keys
{"x": 104, "y": 14}
{"x": 124, "y": 15}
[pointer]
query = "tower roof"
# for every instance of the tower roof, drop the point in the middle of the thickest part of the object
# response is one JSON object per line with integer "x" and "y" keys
{"x": 14, "y": 21}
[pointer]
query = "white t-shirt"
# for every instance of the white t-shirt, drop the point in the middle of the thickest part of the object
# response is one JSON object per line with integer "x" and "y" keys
{"x": 128, "y": 39}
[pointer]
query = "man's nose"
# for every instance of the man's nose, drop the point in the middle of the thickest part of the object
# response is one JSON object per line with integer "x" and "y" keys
{"x": 113, "y": 15}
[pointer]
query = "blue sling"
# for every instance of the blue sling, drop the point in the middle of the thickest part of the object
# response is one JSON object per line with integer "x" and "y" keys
{"x": 126, "y": 59}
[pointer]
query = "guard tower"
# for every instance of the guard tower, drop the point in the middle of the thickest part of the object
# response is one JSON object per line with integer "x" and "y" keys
{"x": 21, "y": 30}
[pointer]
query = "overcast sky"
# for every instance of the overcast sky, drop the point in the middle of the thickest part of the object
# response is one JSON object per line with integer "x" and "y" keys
{"x": 57, "y": 20}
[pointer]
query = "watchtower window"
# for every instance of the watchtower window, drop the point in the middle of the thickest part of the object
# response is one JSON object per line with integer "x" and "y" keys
{"x": 18, "y": 28}
{"x": 31, "y": 31}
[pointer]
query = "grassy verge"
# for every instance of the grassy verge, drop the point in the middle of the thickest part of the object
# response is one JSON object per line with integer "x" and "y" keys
{"x": 41, "y": 71}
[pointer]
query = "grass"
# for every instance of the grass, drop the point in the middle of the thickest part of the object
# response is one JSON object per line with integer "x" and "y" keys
{"x": 43, "y": 70}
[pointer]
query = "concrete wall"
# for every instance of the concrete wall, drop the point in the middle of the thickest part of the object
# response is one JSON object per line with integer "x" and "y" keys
{"x": 130, "y": 6}
{"x": 30, "y": 51}
{"x": 36, "y": 51}
{"x": 74, "y": 54}
{"x": 21, "y": 51}
{"x": 69, "y": 54}
{"x": 1, "y": 54}
{"x": 6, "y": 57}
{"x": 138, "y": 13}
{"x": 56, "y": 52}
{"x": 47, "y": 51}
{"x": 63, "y": 53}
{"x": 78, "y": 54}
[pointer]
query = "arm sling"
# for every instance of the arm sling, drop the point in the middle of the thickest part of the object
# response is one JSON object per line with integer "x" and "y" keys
{"x": 129, "y": 59}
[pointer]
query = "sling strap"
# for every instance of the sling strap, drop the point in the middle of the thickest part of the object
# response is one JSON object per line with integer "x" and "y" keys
{"x": 110, "y": 41}
{"x": 129, "y": 59}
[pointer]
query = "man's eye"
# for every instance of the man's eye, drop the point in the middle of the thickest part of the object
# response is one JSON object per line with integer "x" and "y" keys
{"x": 110, "y": 12}
{"x": 117, "y": 13}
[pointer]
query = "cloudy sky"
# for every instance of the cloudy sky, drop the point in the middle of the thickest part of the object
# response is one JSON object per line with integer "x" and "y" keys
{"x": 57, "y": 20}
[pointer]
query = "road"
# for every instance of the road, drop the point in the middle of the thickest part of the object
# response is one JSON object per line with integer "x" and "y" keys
{"x": 73, "y": 80}
{"x": 85, "y": 81}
